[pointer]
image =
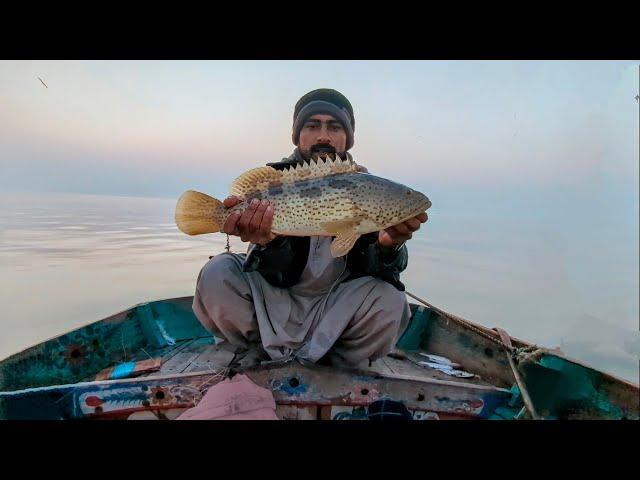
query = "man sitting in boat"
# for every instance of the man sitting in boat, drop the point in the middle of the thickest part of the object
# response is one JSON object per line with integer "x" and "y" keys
{"x": 289, "y": 292}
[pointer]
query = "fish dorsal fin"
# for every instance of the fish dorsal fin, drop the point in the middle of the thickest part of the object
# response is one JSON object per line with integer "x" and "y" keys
{"x": 321, "y": 168}
{"x": 257, "y": 179}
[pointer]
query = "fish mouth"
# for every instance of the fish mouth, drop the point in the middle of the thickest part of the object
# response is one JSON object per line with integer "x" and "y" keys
{"x": 425, "y": 205}
{"x": 423, "y": 208}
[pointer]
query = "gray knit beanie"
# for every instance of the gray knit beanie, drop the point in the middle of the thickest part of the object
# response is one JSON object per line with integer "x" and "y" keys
{"x": 327, "y": 101}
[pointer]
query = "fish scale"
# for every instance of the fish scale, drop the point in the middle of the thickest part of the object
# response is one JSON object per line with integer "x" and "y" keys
{"x": 327, "y": 197}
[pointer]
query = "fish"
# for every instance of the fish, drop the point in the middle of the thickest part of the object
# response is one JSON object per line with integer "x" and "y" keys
{"x": 327, "y": 196}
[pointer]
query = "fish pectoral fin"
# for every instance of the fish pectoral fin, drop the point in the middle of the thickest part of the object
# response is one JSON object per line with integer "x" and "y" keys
{"x": 346, "y": 236}
{"x": 343, "y": 243}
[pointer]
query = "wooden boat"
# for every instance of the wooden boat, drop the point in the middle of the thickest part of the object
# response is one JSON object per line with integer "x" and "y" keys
{"x": 155, "y": 360}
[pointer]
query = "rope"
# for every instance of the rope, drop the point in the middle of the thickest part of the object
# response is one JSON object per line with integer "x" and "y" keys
{"x": 462, "y": 321}
{"x": 512, "y": 353}
{"x": 526, "y": 398}
{"x": 222, "y": 373}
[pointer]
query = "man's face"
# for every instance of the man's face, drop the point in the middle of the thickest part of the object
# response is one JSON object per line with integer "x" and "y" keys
{"x": 321, "y": 130}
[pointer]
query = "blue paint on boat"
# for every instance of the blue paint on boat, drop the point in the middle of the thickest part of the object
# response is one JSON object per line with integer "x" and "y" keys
{"x": 298, "y": 389}
{"x": 123, "y": 370}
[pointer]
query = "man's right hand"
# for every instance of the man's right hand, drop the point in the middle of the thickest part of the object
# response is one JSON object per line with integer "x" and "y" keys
{"x": 253, "y": 225}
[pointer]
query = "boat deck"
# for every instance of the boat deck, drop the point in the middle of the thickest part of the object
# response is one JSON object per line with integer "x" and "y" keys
{"x": 200, "y": 355}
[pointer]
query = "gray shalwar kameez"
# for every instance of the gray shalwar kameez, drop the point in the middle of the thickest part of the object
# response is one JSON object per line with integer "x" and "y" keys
{"x": 352, "y": 321}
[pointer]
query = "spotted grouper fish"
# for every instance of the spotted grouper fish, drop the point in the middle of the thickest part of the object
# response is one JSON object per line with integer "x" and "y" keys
{"x": 327, "y": 197}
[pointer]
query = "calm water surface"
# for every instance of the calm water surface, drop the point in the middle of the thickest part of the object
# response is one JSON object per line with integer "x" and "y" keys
{"x": 68, "y": 260}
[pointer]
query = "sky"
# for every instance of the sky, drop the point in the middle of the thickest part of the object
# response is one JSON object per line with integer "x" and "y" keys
{"x": 545, "y": 152}
{"x": 151, "y": 127}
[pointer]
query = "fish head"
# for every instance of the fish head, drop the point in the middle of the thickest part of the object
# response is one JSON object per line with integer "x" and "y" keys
{"x": 388, "y": 203}
{"x": 410, "y": 202}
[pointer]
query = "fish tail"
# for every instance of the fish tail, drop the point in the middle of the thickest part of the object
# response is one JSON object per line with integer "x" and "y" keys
{"x": 197, "y": 213}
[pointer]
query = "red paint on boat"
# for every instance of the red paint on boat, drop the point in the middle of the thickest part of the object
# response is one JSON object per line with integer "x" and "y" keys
{"x": 93, "y": 401}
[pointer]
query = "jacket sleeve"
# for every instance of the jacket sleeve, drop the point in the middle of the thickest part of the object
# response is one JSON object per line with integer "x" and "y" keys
{"x": 369, "y": 258}
{"x": 280, "y": 262}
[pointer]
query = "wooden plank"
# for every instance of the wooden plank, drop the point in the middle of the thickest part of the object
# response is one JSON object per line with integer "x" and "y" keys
{"x": 212, "y": 357}
{"x": 181, "y": 360}
{"x": 325, "y": 412}
{"x": 291, "y": 384}
{"x": 405, "y": 367}
{"x": 165, "y": 353}
{"x": 379, "y": 366}
{"x": 475, "y": 353}
{"x": 294, "y": 384}
{"x": 169, "y": 414}
{"x": 130, "y": 369}
{"x": 168, "y": 352}
{"x": 297, "y": 412}
{"x": 386, "y": 364}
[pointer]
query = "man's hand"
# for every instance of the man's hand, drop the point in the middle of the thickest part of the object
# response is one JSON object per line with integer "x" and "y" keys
{"x": 361, "y": 168}
{"x": 398, "y": 234}
{"x": 253, "y": 225}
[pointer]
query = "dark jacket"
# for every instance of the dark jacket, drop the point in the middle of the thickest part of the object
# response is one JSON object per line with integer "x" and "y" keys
{"x": 282, "y": 260}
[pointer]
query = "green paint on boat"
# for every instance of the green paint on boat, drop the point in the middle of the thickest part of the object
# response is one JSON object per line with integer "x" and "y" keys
{"x": 81, "y": 354}
{"x": 560, "y": 387}
{"x": 415, "y": 335}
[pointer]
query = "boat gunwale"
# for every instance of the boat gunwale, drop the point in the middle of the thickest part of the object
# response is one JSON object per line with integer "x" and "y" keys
{"x": 259, "y": 368}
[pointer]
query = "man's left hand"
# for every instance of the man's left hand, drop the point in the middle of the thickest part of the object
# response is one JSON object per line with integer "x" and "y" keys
{"x": 398, "y": 234}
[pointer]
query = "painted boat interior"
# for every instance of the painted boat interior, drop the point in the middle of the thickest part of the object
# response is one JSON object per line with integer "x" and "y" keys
{"x": 57, "y": 378}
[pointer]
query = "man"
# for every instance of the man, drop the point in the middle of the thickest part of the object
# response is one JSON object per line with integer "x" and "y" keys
{"x": 289, "y": 292}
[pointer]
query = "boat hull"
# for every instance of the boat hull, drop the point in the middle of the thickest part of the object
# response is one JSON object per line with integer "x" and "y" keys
{"x": 155, "y": 360}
